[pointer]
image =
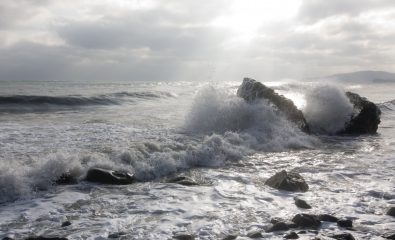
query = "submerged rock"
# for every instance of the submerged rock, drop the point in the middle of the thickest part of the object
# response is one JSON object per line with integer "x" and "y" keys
{"x": 288, "y": 181}
{"x": 183, "y": 236}
{"x": 105, "y": 176}
{"x": 182, "y": 180}
{"x": 252, "y": 90}
{"x": 346, "y": 223}
{"x": 306, "y": 221}
{"x": 291, "y": 235}
{"x": 391, "y": 212}
{"x": 327, "y": 218}
{"x": 66, "y": 223}
{"x": 343, "y": 236}
{"x": 279, "y": 226}
{"x": 300, "y": 203}
{"x": 365, "y": 118}
{"x": 389, "y": 235}
{"x": 255, "y": 234}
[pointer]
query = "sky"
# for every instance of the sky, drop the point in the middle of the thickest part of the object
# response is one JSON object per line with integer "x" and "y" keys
{"x": 193, "y": 40}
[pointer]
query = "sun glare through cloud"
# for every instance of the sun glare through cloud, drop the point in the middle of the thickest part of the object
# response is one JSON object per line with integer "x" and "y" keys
{"x": 246, "y": 18}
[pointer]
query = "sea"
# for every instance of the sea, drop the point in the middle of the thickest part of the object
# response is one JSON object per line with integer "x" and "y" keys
{"x": 200, "y": 130}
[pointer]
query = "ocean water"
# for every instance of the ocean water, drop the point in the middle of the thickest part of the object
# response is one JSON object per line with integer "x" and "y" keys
{"x": 159, "y": 130}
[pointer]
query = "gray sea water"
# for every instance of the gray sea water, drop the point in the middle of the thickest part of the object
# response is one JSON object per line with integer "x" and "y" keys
{"x": 201, "y": 130}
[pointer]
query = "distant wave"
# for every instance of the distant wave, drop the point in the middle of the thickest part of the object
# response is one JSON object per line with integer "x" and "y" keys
{"x": 387, "y": 106}
{"x": 31, "y": 103}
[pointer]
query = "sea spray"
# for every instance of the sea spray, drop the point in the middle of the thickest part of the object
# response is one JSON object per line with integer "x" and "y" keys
{"x": 327, "y": 109}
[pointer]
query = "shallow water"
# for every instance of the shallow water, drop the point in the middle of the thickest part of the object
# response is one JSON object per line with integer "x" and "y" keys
{"x": 159, "y": 130}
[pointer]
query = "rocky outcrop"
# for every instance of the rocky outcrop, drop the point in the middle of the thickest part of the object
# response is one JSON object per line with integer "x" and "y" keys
{"x": 365, "y": 118}
{"x": 252, "y": 90}
{"x": 99, "y": 175}
{"x": 288, "y": 181}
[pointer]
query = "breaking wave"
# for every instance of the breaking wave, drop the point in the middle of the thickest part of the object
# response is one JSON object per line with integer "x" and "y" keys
{"x": 387, "y": 106}
{"x": 327, "y": 109}
{"x": 220, "y": 128}
{"x": 31, "y": 103}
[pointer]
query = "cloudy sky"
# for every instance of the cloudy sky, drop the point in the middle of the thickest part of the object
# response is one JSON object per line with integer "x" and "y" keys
{"x": 195, "y": 40}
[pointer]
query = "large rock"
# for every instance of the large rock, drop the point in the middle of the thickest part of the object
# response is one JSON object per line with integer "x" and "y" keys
{"x": 288, "y": 181}
{"x": 105, "y": 176}
{"x": 365, "y": 118}
{"x": 252, "y": 90}
{"x": 306, "y": 221}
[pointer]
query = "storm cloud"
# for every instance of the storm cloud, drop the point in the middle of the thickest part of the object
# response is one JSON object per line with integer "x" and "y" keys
{"x": 193, "y": 40}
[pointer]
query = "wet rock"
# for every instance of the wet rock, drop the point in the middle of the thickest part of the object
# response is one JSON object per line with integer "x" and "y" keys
{"x": 182, "y": 180}
{"x": 183, "y": 236}
{"x": 7, "y": 238}
{"x": 306, "y": 221}
{"x": 99, "y": 175}
{"x": 389, "y": 235}
{"x": 343, "y": 236}
{"x": 365, "y": 118}
{"x": 279, "y": 226}
{"x": 254, "y": 234}
{"x": 66, "y": 179}
{"x": 291, "y": 235}
{"x": 327, "y": 218}
{"x": 252, "y": 90}
{"x": 116, "y": 235}
{"x": 46, "y": 238}
{"x": 66, "y": 223}
{"x": 345, "y": 223}
{"x": 391, "y": 212}
{"x": 230, "y": 237}
{"x": 288, "y": 181}
{"x": 300, "y": 203}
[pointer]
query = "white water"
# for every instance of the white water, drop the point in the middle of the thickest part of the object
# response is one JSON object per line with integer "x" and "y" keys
{"x": 227, "y": 145}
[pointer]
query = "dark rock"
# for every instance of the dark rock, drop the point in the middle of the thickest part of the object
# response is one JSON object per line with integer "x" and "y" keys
{"x": 327, "y": 218}
{"x": 302, "y": 232}
{"x": 343, "y": 236}
{"x": 254, "y": 234}
{"x": 365, "y": 118}
{"x": 45, "y": 238}
{"x": 7, "y": 238}
{"x": 389, "y": 235}
{"x": 280, "y": 226}
{"x": 306, "y": 221}
{"x": 391, "y": 212}
{"x": 276, "y": 220}
{"x": 300, "y": 203}
{"x": 288, "y": 181}
{"x": 346, "y": 223}
{"x": 105, "y": 176}
{"x": 66, "y": 223}
{"x": 182, "y": 180}
{"x": 184, "y": 236}
{"x": 291, "y": 235}
{"x": 252, "y": 90}
{"x": 66, "y": 179}
{"x": 116, "y": 235}
{"x": 230, "y": 237}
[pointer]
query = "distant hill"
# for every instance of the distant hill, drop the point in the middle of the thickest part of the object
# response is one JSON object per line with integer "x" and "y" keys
{"x": 362, "y": 77}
